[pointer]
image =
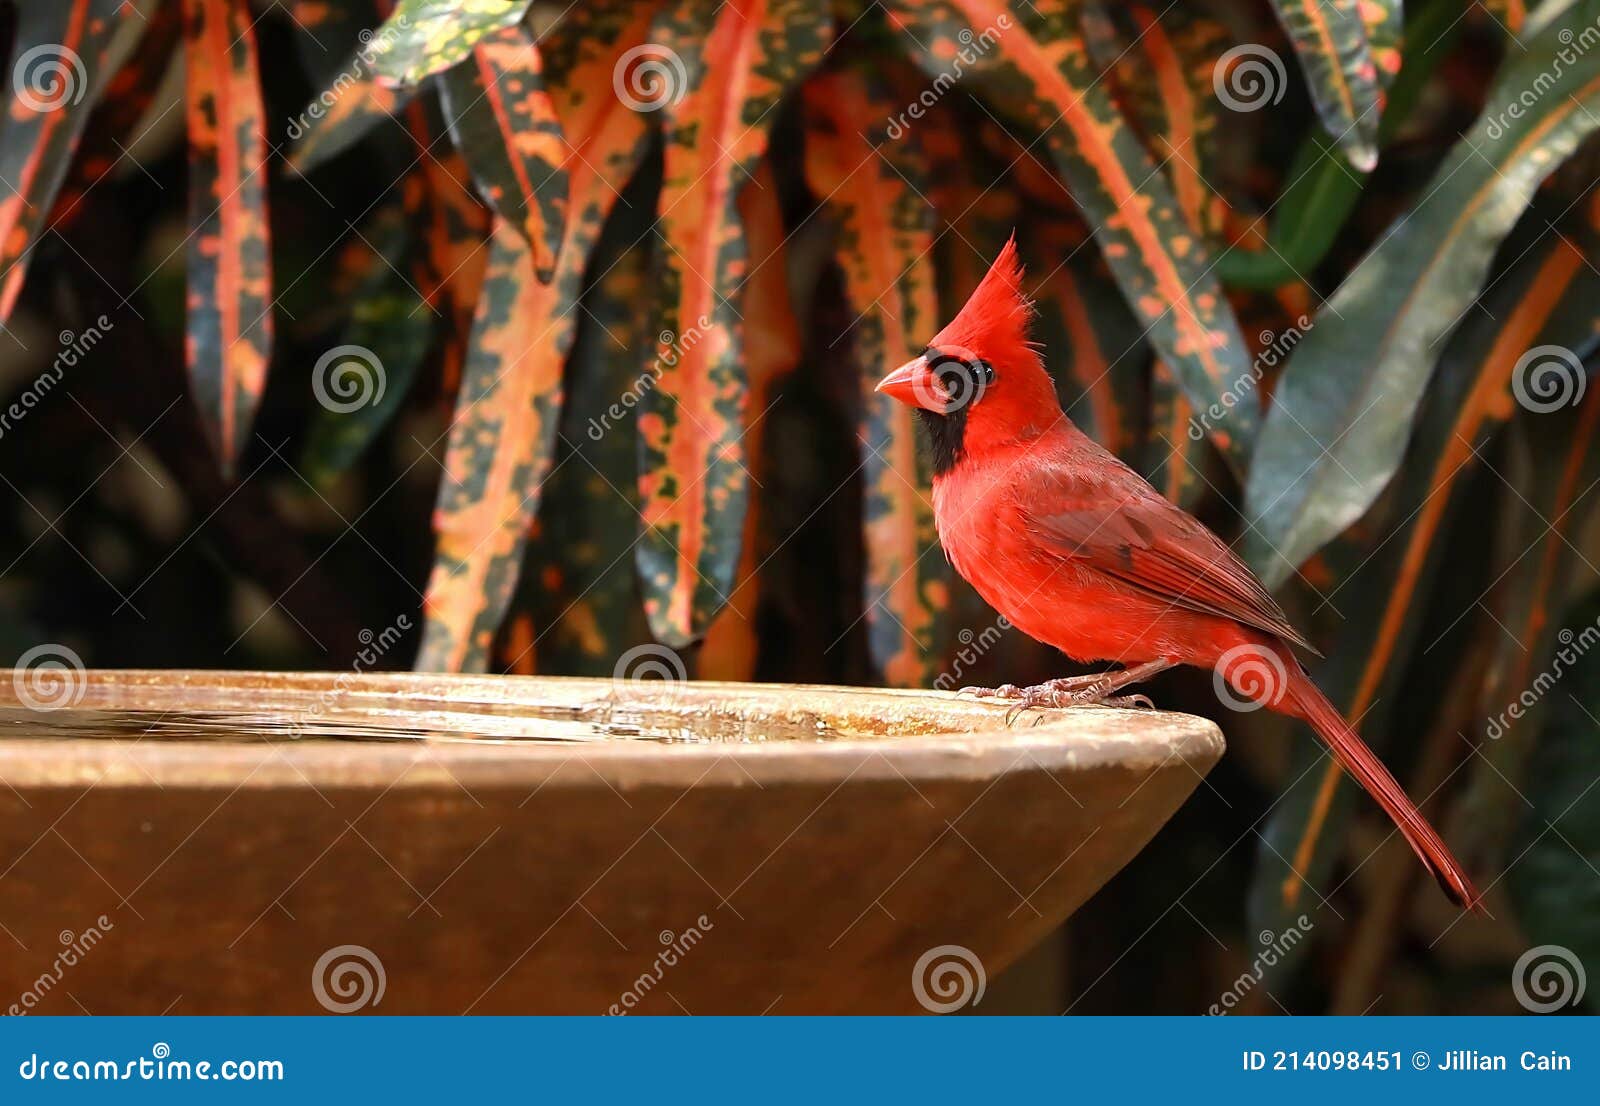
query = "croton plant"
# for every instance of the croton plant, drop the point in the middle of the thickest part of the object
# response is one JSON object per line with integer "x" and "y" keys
{"x": 1323, "y": 270}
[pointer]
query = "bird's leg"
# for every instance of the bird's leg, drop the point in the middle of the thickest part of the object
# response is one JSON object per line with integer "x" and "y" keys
{"x": 1074, "y": 691}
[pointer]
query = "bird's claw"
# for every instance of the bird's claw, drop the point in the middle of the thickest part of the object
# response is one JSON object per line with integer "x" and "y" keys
{"x": 1071, "y": 691}
{"x": 1004, "y": 691}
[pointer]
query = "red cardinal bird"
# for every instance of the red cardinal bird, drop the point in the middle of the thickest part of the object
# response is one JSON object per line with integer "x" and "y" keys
{"x": 1077, "y": 550}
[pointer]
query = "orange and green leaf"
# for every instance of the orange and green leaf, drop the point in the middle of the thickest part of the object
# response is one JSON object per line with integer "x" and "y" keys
{"x": 424, "y": 37}
{"x": 126, "y": 101}
{"x": 1344, "y": 408}
{"x": 229, "y": 259}
{"x": 772, "y": 345}
{"x": 504, "y": 123}
{"x": 58, "y": 68}
{"x": 875, "y": 189}
{"x": 739, "y": 59}
{"x": 503, "y": 433}
{"x": 354, "y": 101}
{"x": 1031, "y": 63}
{"x": 1330, "y": 39}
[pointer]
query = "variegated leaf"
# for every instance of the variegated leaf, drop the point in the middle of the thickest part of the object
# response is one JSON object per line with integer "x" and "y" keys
{"x": 391, "y": 321}
{"x": 772, "y": 345}
{"x": 504, "y": 429}
{"x": 504, "y": 123}
{"x": 229, "y": 255}
{"x": 58, "y": 68}
{"x": 424, "y": 37}
{"x": 354, "y": 102}
{"x": 1330, "y": 39}
{"x": 875, "y": 190}
{"x": 738, "y": 60}
{"x": 1030, "y": 61}
{"x": 1343, "y": 411}
{"x": 128, "y": 96}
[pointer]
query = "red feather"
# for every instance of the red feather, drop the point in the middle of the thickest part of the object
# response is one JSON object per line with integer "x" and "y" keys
{"x": 1077, "y": 550}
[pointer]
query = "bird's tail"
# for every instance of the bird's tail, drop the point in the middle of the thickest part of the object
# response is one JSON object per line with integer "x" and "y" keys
{"x": 1353, "y": 755}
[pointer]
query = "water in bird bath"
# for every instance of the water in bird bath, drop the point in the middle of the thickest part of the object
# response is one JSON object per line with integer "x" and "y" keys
{"x": 526, "y": 723}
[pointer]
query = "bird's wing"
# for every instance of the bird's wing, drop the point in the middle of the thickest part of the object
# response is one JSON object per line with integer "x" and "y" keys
{"x": 1117, "y": 524}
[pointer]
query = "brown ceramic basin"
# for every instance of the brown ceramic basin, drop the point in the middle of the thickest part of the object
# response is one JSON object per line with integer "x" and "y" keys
{"x": 207, "y": 842}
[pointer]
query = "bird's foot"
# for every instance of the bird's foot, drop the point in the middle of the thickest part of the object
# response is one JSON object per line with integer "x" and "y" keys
{"x": 1067, "y": 685}
{"x": 1096, "y": 689}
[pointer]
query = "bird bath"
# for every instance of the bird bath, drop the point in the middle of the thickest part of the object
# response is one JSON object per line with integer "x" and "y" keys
{"x": 518, "y": 845}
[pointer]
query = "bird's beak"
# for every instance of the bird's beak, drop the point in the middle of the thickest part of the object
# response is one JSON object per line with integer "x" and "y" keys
{"x": 916, "y": 385}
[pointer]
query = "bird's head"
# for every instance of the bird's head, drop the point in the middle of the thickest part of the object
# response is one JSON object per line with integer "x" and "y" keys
{"x": 980, "y": 383}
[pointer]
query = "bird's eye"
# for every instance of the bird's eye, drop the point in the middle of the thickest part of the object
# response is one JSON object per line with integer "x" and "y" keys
{"x": 963, "y": 376}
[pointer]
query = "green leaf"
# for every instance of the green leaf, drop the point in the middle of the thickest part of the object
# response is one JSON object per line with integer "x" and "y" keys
{"x": 1549, "y": 499}
{"x": 1343, "y": 411}
{"x": 1385, "y": 570}
{"x": 1554, "y": 887}
{"x": 1330, "y": 38}
{"x": 424, "y": 37}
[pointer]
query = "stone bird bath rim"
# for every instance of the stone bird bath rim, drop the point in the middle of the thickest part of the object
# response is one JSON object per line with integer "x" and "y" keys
{"x": 527, "y": 844}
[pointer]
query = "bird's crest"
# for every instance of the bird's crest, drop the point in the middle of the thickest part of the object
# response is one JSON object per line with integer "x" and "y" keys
{"x": 996, "y": 318}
